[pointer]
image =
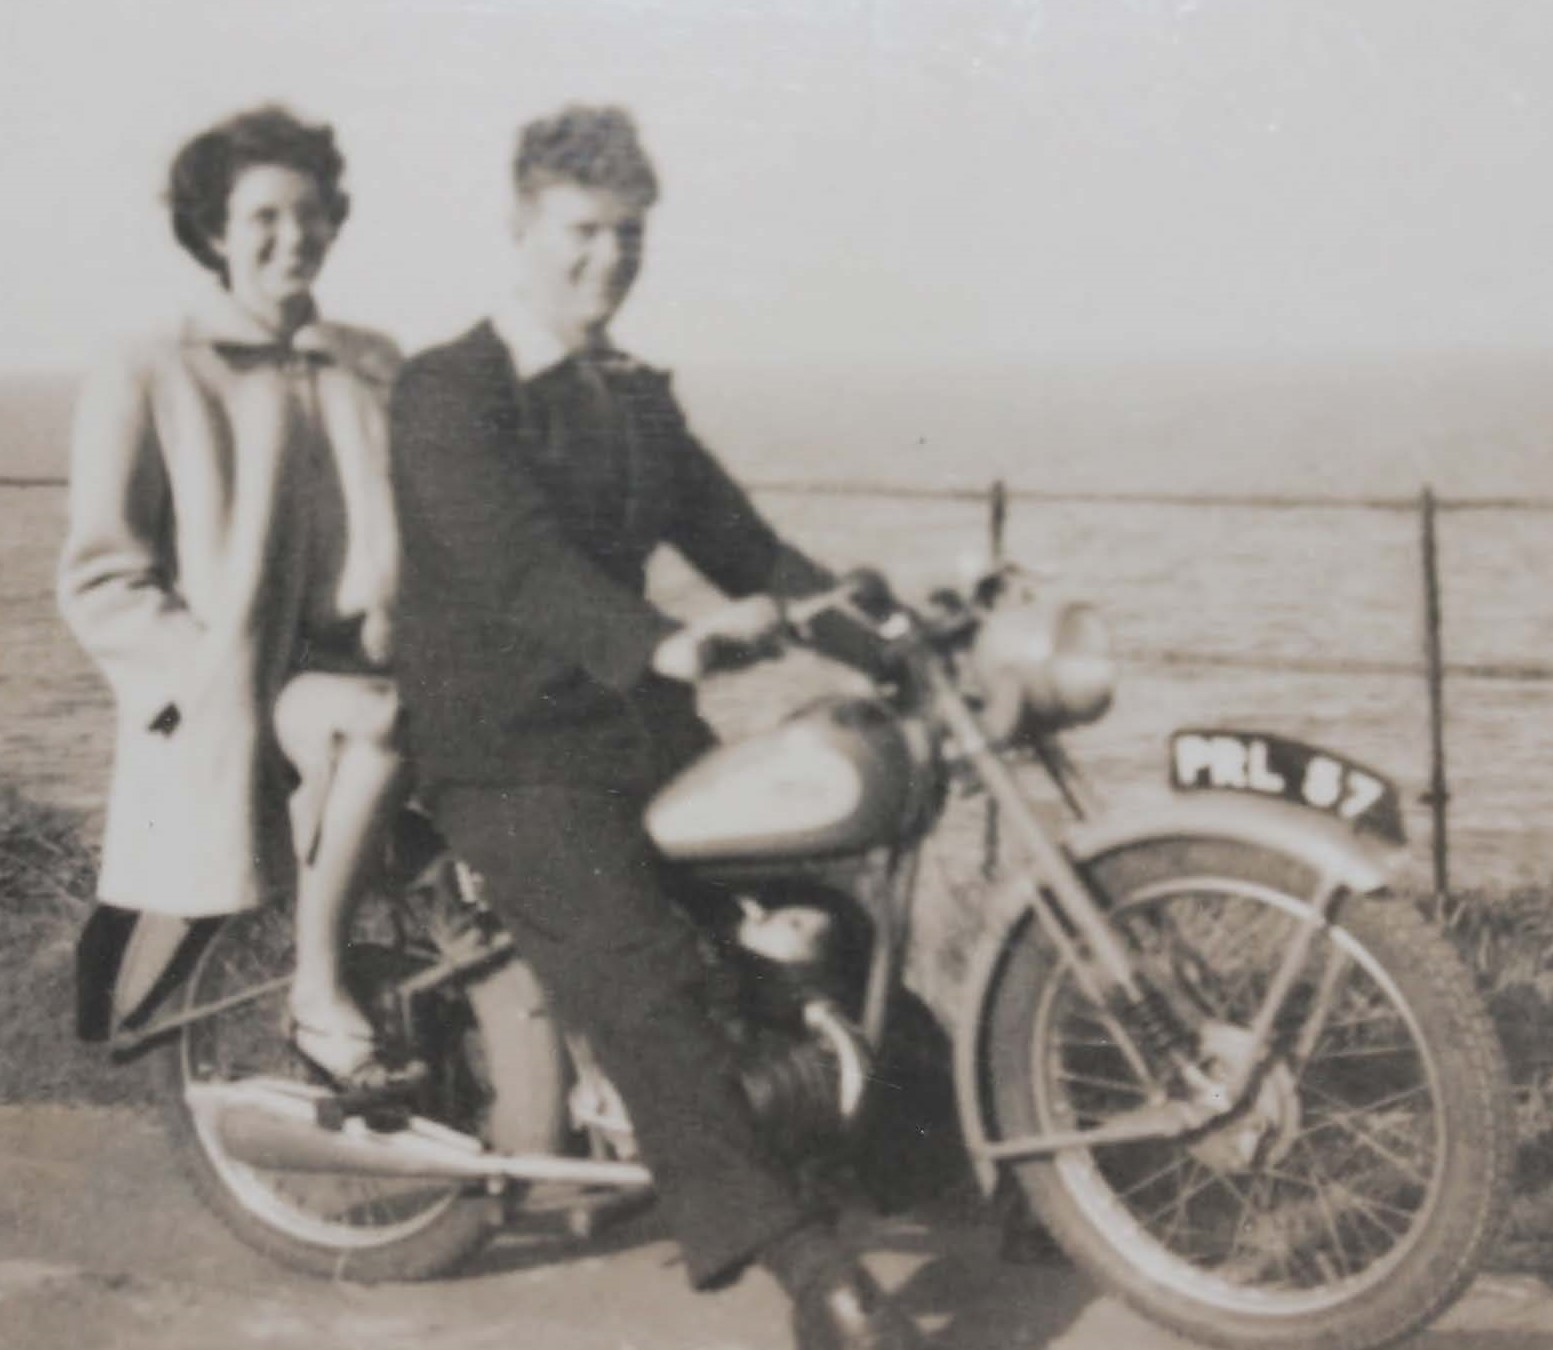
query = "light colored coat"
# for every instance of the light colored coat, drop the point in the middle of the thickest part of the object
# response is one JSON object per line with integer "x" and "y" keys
{"x": 184, "y": 576}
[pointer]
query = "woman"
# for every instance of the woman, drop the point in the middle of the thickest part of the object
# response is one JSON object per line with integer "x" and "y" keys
{"x": 231, "y": 565}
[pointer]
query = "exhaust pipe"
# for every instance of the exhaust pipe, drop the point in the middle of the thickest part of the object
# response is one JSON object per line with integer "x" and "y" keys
{"x": 273, "y": 1123}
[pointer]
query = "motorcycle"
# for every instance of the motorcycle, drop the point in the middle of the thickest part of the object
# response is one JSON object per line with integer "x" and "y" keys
{"x": 1241, "y": 1084}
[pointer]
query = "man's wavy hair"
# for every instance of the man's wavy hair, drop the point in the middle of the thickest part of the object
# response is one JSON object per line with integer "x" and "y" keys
{"x": 592, "y": 147}
{"x": 203, "y": 173}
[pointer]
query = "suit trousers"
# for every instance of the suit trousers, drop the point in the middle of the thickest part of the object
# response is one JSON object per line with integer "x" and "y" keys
{"x": 572, "y": 872}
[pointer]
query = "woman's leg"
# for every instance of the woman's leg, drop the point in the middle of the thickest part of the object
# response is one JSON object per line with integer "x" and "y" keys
{"x": 361, "y": 802}
{"x": 353, "y": 781}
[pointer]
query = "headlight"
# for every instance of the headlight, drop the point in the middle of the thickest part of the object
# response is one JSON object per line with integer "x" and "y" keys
{"x": 1043, "y": 664}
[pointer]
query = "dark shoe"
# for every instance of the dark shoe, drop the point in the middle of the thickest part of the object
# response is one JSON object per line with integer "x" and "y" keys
{"x": 349, "y": 1061}
{"x": 848, "y": 1311}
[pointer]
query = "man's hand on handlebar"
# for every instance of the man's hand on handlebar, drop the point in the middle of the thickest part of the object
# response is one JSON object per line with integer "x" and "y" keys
{"x": 851, "y": 622}
{"x": 734, "y": 636}
{"x": 860, "y": 624}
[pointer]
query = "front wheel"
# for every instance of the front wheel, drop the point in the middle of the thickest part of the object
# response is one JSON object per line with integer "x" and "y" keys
{"x": 1353, "y": 1199}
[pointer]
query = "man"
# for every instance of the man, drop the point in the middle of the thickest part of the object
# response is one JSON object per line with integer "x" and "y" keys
{"x": 537, "y": 469}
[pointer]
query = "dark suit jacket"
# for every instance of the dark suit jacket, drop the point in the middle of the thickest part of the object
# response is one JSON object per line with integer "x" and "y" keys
{"x": 524, "y": 638}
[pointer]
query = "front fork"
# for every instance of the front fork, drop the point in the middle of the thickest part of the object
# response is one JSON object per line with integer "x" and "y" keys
{"x": 1144, "y": 1024}
{"x": 1067, "y": 913}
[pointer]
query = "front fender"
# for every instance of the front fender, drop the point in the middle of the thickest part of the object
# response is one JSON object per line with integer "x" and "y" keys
{"x": 1335, "y": 857}
{"x": 1358, "y": 863}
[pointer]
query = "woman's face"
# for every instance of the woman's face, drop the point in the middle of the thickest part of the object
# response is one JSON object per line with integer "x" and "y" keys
{"x": 277, "y": 234}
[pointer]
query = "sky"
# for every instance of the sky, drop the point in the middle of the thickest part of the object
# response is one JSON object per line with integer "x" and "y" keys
{"x": 846, "y": 181}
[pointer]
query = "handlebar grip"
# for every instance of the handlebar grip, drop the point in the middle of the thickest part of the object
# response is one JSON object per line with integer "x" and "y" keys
{"x": 863, "y": 588}
{"x": 870, "y": 592}
{"x": 718, "y": 653}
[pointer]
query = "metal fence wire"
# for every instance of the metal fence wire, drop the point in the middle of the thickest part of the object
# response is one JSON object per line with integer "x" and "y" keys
{"x": 1432, "y": 666}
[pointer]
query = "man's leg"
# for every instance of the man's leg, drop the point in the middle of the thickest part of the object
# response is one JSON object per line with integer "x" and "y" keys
{"x": 572, "y": 874}
{"x": 576, "y": 879}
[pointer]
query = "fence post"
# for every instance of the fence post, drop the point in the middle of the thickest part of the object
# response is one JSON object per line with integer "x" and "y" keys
{"x": 1438, "y": 797}
{"x": 997, "y": 519}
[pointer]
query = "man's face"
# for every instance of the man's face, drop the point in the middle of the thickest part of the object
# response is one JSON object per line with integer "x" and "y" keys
{"x": 581, "y": 249}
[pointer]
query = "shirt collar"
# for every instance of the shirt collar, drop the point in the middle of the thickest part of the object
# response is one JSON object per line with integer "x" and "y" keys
{"x": 219, "y": 321}
{"x": 534, "y": 348}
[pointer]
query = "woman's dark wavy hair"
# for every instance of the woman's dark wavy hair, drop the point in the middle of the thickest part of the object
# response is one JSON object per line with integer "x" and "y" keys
{"x": 200, "y": 182}
{"x": 593, "y": 147}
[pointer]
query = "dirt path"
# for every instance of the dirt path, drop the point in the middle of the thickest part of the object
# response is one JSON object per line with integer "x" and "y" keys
{"x": 102, "y": 1248}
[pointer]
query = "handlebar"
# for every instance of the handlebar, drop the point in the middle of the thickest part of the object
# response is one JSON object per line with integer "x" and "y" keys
{"x": 864, "y": 602}
{"x": 864, "y": 593}
{"x": 858, "y": 621}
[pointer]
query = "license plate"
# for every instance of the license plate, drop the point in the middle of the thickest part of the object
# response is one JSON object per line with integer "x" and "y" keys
{"x": 1275, "y": 766}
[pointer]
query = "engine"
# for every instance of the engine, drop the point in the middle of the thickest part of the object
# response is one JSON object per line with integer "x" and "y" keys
{"x": 775, "y": 981}
{"x": 803, "y": 1061}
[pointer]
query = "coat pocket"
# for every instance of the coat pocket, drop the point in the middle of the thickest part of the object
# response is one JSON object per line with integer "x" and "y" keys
{"x": 182, "y": 834}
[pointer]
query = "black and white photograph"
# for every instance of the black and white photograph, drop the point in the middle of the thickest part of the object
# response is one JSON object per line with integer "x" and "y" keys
{"x": 825, "y": 675}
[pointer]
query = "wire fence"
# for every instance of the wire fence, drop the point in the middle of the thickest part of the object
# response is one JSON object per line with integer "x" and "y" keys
{"x": 1196, "y": 500}
{"x": 998, "y": 499}
{"x": 1522, "y": 671}
{"x": 1432, "y": 665}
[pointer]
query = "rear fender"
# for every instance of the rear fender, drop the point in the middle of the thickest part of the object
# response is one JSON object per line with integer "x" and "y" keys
{"x": 1336, "y": 857}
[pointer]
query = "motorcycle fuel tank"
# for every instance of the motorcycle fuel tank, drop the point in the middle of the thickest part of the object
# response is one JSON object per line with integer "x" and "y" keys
{"x": 841, "y": 777}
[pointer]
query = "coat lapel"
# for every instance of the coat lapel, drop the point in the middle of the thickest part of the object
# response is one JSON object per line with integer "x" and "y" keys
{"x": 642, "y": 403}
{"x": 495, "y": 398}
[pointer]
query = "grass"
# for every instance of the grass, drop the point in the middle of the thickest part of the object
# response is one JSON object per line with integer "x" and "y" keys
{"x": 1507, "y": 940}
{"x": 47, "y": 880}
{"x": 47, "y": 872}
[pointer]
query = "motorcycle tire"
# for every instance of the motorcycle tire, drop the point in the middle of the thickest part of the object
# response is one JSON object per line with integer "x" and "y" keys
{"x": 365, "y": 1230}
{"x": 1383, "y": 1177}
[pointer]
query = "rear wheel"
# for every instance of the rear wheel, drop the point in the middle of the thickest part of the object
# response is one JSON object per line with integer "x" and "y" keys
{"x": 336, "y": 1225}
{"x": 1353, "y": 1199}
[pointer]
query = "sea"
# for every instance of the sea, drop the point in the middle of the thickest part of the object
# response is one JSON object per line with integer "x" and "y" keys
{"x": 1250, "y": 529}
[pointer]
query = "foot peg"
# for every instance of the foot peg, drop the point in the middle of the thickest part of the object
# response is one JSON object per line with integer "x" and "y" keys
{"x": 383, "y": 1103}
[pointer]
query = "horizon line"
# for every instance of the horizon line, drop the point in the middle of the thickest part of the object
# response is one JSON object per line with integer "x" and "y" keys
{"x": 1048, "y": 358}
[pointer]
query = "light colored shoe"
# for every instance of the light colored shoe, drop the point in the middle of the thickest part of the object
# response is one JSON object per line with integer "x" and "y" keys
{"x": 338, "y": 1043}
{"x": 340, "y": 1054}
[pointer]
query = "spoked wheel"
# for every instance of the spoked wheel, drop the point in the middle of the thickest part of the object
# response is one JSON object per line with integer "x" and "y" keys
{"x": 325, "y": 1223}
{"x": 1352, "y": 1197}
